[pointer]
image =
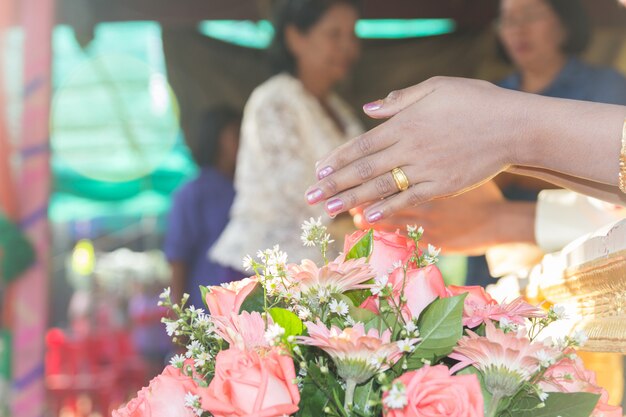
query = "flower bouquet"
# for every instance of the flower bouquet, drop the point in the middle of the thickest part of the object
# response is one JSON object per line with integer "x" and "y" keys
{"x": 374, "y": 332}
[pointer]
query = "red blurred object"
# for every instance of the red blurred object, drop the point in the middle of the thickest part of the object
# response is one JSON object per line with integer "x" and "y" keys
{"x": 103, "y": 366}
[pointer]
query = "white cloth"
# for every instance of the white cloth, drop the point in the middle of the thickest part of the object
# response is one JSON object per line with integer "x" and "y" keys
{"x": 285, "y": 131}
{"x": 563, "y": 216}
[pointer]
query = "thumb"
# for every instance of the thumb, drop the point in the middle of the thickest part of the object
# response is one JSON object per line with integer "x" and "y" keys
{"x": 398, "y": 100}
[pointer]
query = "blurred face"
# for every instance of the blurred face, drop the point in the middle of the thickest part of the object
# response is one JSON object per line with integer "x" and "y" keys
{"x": 330, "y": 47}
{"x": 229, "y": 145}
{"x": 531, "y": 32}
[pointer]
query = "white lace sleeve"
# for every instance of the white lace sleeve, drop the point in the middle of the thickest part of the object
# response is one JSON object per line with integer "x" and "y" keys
{"x": 275, "y": 165}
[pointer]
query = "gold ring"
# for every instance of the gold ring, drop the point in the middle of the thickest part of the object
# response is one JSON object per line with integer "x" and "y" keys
{"x": 402, "y": 182}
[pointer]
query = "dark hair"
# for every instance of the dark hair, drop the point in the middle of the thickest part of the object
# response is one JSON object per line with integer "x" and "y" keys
{"x": 301, "y": 14}
{"x": 205, "y": 149}
{"x": 574, "y": 19}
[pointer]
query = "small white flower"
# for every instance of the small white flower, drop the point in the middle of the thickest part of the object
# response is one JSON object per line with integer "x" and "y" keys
{"x": 177, "y": 361}
{"x": 507, "y": 325}
{"x": 165, "y": 294}
{"x": 558, "y": 311}
{"x": 376, "y": 361}
{"x": 273, "y": 333}
{"x": 411, "y": 328}
{"x": 304, "y": 313}
{"x": 543, "y": 396}
{"x": 202, "y": 359}
{"x": 323, "y": 294}
{"x": 247, "y": 263}
{"x": 396, "y": 397}
{"x": 544, "y": 358}
{"x": 338, "y": 307}
{"x": 580, "y": 338}
{"x": 405, "y": 345}
{"x": 420, "y": 230}
{"x": 433, "y": 252}
{"x": 194, "y": 349}
{"x": 379, "y": 284}
{"x": 396, "y": 265}
{"x": 193, "y": 402}
{"x": 350, "y": 321}
{"x": 171, "y": 327}
{"x": 411, "y": 228}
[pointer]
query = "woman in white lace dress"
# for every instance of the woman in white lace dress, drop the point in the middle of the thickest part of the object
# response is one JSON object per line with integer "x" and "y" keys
{"x": 289, "y": 122}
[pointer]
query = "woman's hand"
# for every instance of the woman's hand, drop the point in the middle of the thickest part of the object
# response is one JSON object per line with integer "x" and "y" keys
{"x": 448, "y": 135}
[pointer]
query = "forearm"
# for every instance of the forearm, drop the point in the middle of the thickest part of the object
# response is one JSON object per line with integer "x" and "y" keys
{"x": 179, "y": 280}
{"x": 609, "y": 193}
{"x": 575, "y": 138}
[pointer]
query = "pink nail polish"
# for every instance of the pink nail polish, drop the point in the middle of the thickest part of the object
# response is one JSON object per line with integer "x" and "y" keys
{"x": 374, "y": 217}
{"x": 373, "y": 106}
{"x": 314, "y": 196}
{"x": 323, "y": 173}
{"x": 334, "y": 206}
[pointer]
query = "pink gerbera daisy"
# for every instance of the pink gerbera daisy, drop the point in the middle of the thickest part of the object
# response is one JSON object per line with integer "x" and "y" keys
{"x": 245, "y": 331}
{"x": 336, "y": 277}
{"x": 506, "y": 360}
{"x": 358, "y": 354}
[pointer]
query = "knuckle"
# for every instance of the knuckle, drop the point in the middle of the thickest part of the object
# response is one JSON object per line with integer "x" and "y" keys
{"x": 395, "y": 96}
{"x": 364, "y": 143}
{"x": 351, "y": 199}
{"x": 383, "y": 185}
{"x": 364, "y": 169}
{"x": 331, "y": 186}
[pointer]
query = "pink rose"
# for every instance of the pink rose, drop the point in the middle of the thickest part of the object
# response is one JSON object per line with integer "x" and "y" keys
{"x": 388, "y": 249}
{"x": 570, "y": 375}
{"x": 249, "y": 384}
{"x": 432, "y": 391}
{"x": 422, "y": 287}
{"x": 164, "y": 397}
{"x": 222, "y": 301}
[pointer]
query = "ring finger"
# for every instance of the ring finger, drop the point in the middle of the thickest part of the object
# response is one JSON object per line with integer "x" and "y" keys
{"x": 375, "y": 189}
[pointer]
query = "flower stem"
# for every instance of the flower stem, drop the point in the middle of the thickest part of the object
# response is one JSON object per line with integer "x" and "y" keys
{"x": 493, "y": 407}
{"x": 350, "y": 388}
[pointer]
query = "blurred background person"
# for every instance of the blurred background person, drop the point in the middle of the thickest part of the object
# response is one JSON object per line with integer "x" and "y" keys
{"x": 289, "y": 122}
{"x": 543, "y": 39}
{"x": 200, "y": 208}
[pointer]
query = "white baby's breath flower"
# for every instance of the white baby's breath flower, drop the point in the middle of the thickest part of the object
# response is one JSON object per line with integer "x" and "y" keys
{"x": 338, "y": 307}
{"x": 579, "y": 338}
{"x": 545, "y": 359}
{"x": 396, "y": 397}
{"x": 194, "y": 349}
{"x": 376, "y": 361}
{"x": 411, "y": 328}
{"x": 193, "y": 402}
{"x": 543, "y": 396}
{"x": 420, "y": 230}
{"x": 304, "y": 313}
{"x": 411, "y": 228}
{"x": 274, "y": 333}
{"x": 433, "y": 251}
{"x": 507, "y": 325}
{"x": 177, "y": 361}
{"x": 558, "y": 312}
{"x": 247, "y": 263}
{"x": 202, "y": 359}
{"x": 323, "y": 294}
{"x": 165, "y": 294}
{"x": 406, "y": 345}
{"x": 379, "y": 284}
{"x": 171, "y": 327}
{"x": 350, "y": 321}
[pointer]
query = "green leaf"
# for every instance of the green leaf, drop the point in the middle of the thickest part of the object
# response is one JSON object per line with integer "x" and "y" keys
{"x": 361, "y": 315}
{"x": 580, "y": 404}
{"x": 204, "y": 291}
{"x": 441, "y": 327}
{"x": 287, "y": 320}
{"x": 312, "y": 399}
{"x": 470, "y": 370}
{"x": 255, "y": 301}
{"x": 357, "y": 297}
{"x": 362, "y": 248}
{"x": 362, "y": 395}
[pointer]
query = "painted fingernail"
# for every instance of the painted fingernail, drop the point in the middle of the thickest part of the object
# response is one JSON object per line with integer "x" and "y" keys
{"x": 374, "y": 217}
{"x": 314, "y": 196}
{"x": 373, "y": 106}
{"x": 334, "y": 206}
{"x": 323, "y": 173}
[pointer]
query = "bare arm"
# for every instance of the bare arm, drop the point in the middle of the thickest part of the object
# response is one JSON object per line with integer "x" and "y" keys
{"x": 179, "y": 280}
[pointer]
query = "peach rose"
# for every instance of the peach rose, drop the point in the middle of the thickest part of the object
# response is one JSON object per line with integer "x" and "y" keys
{"x": 570, "y": 375}
{"x": 422, "y": 287}
{"x": 224, "y": 300}
{"x": 388, "y": 249}
{"x": 164, "y": 397}
{"x": 249, "y": 384}
{"x": 432, "y": 391}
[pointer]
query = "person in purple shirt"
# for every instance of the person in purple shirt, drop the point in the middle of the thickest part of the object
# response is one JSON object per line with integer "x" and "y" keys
{"x": 200, "y": 208}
